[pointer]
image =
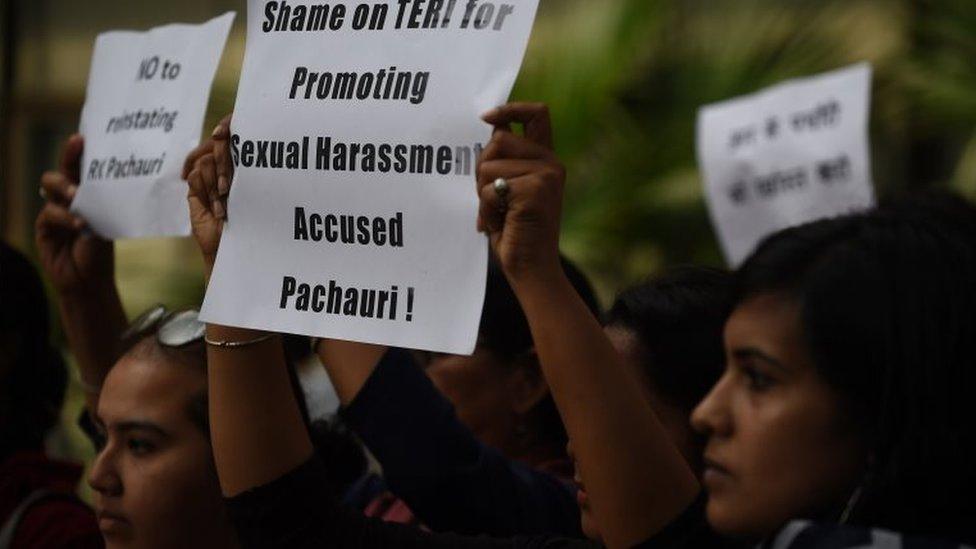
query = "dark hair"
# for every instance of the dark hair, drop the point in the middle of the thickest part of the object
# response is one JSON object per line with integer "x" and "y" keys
{"x": 333, "y": 442}
{"x": 504, "y": 331}
{"x": 678, "y": 318}
{"x": 194, "y": 356}
{"x": 33, "y": 376}
{"x": 888, "y": 309}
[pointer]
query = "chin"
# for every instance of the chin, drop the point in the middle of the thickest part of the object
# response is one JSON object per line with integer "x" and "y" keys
{"x": 731, "y": 521}
{"x": 589, "y": 527}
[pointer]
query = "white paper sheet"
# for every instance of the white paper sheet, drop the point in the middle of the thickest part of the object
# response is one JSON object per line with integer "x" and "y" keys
{"x": 147, "y": 96}
{"x": 416, "y": 276}
{"x": 792, "y": 153}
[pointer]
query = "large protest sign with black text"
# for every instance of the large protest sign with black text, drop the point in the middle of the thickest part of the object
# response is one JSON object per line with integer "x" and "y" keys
{"x": 792, "y": 153}
{"x": 146, "y": 99}
{"x": 355, "y": 140}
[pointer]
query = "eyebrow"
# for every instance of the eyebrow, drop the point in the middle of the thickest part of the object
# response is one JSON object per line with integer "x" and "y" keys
{"x": 135, "y": 425}
{"x": 752, "y": 353}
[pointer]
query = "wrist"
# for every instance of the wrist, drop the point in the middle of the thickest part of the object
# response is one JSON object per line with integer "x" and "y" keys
{"x": 541, "y": 285}
{"x": 218, "y": 332}
{"x": 530, "y": 275}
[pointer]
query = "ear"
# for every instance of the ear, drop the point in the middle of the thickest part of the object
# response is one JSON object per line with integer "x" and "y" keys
{"x": 526, "y": 385}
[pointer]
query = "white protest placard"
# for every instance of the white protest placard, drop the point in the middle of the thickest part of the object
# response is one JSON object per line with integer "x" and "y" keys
{"x": 355, "y": 140}
{"x": 792, "y": 153}
{"x": 146, "y": 99}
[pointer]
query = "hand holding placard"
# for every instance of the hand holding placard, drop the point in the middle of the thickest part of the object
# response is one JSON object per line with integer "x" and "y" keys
{"x": 77, "y": 262}
{"x": 523, "y": 225}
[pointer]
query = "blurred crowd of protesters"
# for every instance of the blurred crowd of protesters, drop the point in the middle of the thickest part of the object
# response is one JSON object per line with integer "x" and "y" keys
{"x": 817, "y": 396}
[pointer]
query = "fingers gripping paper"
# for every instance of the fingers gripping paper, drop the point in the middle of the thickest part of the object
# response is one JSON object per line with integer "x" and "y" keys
{"x": 355, "y": 139}
{"x": 147, "y": 95}
{"x": 793, "y": 153}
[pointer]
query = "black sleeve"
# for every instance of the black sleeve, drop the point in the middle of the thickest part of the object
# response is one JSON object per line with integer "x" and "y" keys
{"x": 689, "y": 531}
{"x": 450, "y": 480}
{"x": 296, "y": 511}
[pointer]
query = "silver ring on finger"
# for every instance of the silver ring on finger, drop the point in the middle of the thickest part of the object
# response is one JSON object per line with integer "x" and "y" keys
{"x": 502, "y": 189}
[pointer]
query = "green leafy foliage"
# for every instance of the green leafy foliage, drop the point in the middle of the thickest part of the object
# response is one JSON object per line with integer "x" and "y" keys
{"x": 624, "y": 81}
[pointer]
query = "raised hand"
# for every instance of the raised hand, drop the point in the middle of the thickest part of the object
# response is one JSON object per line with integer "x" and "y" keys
{"x": 74, "y": 258}
{"x": 521, "y": 215}
{"x": 208, "y": 173}
{"x": 220, "y": 132}
{"x": 612, "y": 426}
{"x": 82, "y": 268}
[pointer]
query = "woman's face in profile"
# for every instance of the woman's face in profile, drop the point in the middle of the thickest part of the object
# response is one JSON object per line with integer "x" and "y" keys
{"x": 154, "y": 480}
{"x": 779, "y": 445}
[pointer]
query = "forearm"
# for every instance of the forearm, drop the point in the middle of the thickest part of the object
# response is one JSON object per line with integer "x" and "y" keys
{"x": 93, "y": 323}
{"x": 636, "y": 478}
{"x": 349, "y": 365}
{"x": 256, "y": 427}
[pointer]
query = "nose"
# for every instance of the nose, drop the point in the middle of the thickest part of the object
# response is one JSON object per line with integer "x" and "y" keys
{"x": 104, "y": 477}
{"x": 712, "y": 416}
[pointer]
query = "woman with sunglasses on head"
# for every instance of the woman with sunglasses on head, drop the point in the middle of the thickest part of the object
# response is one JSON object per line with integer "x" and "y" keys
{"x": 153, "y": 477}
{"x": 146, "y": 389}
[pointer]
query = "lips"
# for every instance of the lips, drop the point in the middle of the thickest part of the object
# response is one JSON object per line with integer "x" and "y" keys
{"x": 110, "y": 522}
{"x": 715, "y": 473}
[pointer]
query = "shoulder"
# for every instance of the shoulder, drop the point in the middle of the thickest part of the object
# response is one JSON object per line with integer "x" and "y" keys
{"x": 809, "y": 535}
{"x": 58, "y": 521}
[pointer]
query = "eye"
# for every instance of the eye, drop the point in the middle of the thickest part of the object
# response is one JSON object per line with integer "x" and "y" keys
{"x": 758, "y": 381}
{"x": 140, "y": 446}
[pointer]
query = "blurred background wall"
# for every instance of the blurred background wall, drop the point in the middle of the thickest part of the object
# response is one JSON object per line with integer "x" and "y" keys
{"x": 623, "y": 78}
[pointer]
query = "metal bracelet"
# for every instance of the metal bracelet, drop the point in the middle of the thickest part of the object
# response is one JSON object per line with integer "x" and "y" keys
{"x": 236, "y": 344}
